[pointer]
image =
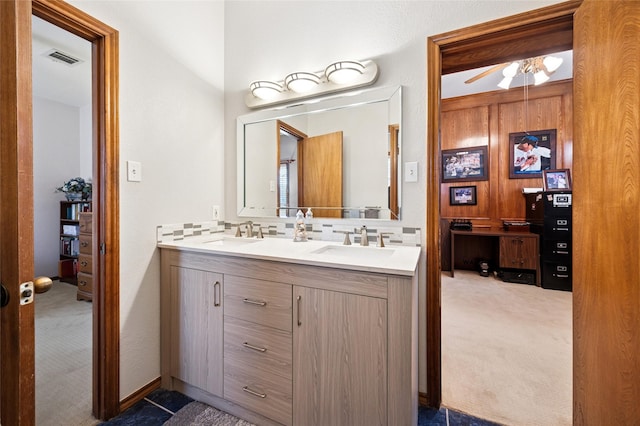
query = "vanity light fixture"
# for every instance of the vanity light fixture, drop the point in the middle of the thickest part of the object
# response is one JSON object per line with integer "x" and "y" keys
{"x": 338, "y": 76}
{"x": 301, "y": 82}
{"x": 344, "y": 72}
{"x": 264, "y": 89}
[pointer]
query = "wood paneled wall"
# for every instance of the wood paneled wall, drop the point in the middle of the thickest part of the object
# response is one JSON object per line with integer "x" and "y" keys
{"x": 487, "y": 119}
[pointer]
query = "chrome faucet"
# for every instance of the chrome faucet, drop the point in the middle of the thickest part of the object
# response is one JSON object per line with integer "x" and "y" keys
{"x": 364, "y": 239}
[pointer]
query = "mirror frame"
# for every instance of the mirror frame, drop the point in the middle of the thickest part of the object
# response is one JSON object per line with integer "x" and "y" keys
{"x": 341, "y": 101}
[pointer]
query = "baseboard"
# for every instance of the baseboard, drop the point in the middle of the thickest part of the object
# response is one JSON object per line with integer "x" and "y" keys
{"x": 138, "y": 395}
{"x": 422, "y": 399}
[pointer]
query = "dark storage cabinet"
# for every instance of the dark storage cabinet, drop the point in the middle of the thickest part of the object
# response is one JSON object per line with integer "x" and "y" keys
{"x": 549, "y": 214}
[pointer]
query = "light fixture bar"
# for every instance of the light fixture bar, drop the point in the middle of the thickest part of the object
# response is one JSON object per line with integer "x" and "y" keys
{"x": 303, "y": 85}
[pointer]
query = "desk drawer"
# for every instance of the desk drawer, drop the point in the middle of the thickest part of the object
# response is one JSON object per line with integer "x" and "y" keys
{"x": 261, "y": 302}
{"x": 85, "y": 263}
{"x": 85, "y": 244}
{"x": 85, "y": 282}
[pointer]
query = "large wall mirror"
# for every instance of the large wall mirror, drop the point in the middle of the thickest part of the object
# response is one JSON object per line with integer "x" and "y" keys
{"x": 339, "y": 156}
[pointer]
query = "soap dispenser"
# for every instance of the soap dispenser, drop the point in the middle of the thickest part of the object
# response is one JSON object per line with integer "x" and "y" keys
{"x": 309, "y": 214}
{"x": 300, "y": 229}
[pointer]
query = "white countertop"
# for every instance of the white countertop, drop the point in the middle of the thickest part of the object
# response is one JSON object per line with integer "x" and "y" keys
{"x": 394, "y": 260}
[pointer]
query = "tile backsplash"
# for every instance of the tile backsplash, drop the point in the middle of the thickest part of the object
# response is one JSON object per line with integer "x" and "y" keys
{"x": 316, "y": 230}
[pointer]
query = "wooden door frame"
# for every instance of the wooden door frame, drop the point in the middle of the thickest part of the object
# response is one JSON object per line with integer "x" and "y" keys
{"x": 106, "y": 298}
{"x": 282, "y": 126}
{"x": 489, "y": 43}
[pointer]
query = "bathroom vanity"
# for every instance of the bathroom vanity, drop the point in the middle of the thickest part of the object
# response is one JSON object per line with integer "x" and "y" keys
{"x": 278, "y": 332}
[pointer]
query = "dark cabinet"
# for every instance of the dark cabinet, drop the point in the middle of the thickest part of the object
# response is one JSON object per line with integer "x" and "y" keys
{"x": 549, "y": 214}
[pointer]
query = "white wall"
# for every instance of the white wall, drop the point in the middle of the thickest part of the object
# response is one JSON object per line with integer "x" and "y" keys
{"x": 171, "y": 120}
{"x": 269, "y": 39}
{"x": 56, "y": 159}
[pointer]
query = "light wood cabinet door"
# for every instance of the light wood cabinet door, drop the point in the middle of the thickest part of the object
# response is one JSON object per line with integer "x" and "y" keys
{"x": 196, "y": 328}
{"x": 339, "y": 358}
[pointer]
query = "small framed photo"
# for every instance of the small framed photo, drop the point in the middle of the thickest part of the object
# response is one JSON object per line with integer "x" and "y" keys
{"x": 465, "y": 164}
{"x": 530, "y": 153}
{"x": 556, "y": 180}
{"x": 463, "y": 196}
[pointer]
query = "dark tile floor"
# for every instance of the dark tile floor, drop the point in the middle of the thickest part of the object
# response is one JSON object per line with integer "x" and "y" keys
{"x": 160, "y": 405}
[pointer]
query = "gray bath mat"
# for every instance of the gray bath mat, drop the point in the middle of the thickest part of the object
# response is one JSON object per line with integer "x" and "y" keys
{"x": 199, "y": 414}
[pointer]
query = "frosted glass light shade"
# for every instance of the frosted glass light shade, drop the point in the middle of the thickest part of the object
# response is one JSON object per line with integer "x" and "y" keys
{"x": 266, "y": 90}
{"x": 505, "y": 83}
{"x": 552, "y": 63}
{"x": 344, "y": 72}
{"x": 540, "y": 77}
{"x": 301, "y": 82}
{"x": 511, "y": 70}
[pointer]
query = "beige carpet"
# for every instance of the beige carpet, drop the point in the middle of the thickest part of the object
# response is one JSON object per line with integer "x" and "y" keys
{"x": 63, "y": 358}
{"x": 506, "y": 350}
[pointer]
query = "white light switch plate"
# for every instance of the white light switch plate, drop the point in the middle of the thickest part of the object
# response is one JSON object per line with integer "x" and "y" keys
{"x": 411, "y": 171}
{"x": 134, "y": 171}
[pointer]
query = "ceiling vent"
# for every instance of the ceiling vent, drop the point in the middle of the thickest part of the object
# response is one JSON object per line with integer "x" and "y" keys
{"x": 60, "y": 56}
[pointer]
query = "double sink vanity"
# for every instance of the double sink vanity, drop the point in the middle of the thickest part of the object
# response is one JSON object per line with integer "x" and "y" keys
{"x": 293, "y": 333}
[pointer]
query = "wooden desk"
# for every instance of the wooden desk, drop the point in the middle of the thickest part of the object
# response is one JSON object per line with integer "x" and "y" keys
{"x": 517, "y": 250}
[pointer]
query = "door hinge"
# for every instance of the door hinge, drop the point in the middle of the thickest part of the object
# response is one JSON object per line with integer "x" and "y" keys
{"x": 103, "y": 248}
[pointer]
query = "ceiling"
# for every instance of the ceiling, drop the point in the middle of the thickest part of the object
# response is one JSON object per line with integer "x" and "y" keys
{"x": 56, "y": 80}
{"x": 71, "y": 85}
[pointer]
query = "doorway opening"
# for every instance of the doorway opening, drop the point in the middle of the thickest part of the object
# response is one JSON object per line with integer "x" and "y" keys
{"x": 105, "y": 159}
{"x": 499, "y": 41}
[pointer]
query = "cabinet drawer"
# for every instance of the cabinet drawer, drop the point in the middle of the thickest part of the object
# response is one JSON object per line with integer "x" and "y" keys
{"x": 86, "y": 224}
{"x": 262, "y": 302}
{"x": 85, "y": 263}
{"x": 85, "y": 243}
{"x": 85, "y": 282}
{"x": 518, "y": 252}
{"x": 264, "y": 393}
{"x": 257, "y": 347}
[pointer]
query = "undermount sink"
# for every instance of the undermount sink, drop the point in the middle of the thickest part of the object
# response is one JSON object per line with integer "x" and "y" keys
{"x": 231, "y": 241}
{"x": 354, "y": 252}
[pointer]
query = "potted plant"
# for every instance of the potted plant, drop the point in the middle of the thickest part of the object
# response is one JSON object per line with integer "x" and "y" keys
{"x": 76, "y": 189}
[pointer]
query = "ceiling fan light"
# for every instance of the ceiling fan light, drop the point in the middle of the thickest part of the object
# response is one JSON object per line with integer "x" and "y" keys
{"x": 265, "y": 90}
{"x": 344, "y": 72}
{"x": 552, "y": 63}
{"x": 511, "y": 70}
{"x": 301, "y": 82}
{"x": 540, "y": 77}
{"x": 505, "y": 83}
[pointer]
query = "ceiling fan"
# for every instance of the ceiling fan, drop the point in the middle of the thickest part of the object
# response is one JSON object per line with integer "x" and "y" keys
{"x": 540, "y": 66}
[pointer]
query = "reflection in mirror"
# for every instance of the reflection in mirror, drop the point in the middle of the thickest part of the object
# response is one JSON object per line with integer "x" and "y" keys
{"x": 339, "y": 157}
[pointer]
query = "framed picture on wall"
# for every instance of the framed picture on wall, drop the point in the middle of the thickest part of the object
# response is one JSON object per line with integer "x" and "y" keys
{"x": 463, "y": 196}
{"x": 465, "y": 164}
{"x": 556, "y": 180}
{"x": 531, "y": 152}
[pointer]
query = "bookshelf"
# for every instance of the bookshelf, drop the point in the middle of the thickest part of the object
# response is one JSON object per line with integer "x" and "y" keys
{"x": 70, "y": 239}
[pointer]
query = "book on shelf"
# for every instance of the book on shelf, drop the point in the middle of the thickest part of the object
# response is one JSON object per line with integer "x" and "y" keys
{"x": 73, "y": 210}
{"x": 69, "y": 246}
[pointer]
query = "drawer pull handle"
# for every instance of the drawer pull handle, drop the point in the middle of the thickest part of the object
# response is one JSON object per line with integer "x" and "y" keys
{"x": 82, "y": 282}
{"x": 84, "y": 243}
{"x": 299, "y": 302}
{"x": 216, "y": 293}
{"x": 255, "y": 302}
{"x": 255, "y": 348}
{"x": 84, "y": 263}
{"x": 252, "y": 392}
